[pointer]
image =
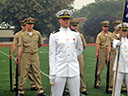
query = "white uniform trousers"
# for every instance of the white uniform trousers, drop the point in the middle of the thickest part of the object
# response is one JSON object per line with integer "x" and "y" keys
{"x": 120, "y": 77}
{"x": 72, "y": 82}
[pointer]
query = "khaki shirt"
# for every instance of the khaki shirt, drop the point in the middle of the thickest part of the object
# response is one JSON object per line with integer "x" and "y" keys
{"x": 111, "y": 38}
{"x": 102, "y": 39}
{"x": 30, "y": 43}
{"x": 16, "y": 37}
{"x": 83, "y": 40}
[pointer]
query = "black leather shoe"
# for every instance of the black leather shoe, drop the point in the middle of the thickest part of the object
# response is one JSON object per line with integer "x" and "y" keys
{"x": 33, "y": 89}
{"x": 84, "y": 93}
{"x": 13, "y": 89}
{"x": 124, "y": 90}
{"x": 97, "y": 86}
{"x": 42, "y": 94}
{"x": 20, "y": 94}
{"x": 65, "y": 93}
{"x": 109, "y": 91}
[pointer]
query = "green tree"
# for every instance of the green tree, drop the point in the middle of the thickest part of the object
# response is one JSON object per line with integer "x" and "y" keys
{"x": 97, "y": 12}
{"x": 44, "y": 11}
{"x": 113, "y": 7}
{"x": 93, "y": 26}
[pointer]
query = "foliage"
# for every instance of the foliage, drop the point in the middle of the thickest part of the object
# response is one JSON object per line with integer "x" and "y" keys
{"x": 93, "y": 26}
{"x": 43, "y": 10}
{"x": 97, "y": 12}
{"x": 113, "y": 7}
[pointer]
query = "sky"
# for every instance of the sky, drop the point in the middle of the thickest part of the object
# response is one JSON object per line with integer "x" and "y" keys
{"x": 78, "y": 4}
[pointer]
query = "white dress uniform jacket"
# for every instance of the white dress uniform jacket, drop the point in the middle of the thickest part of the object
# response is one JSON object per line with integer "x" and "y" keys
{"x": 123, "y": 60}
{"x": 64, "y": 47}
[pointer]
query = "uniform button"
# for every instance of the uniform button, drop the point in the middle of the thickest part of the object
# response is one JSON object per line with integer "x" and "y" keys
{"x": 68, "y": 54}
{"x": 67, "y": 46}
{"x": 67, "y": 39}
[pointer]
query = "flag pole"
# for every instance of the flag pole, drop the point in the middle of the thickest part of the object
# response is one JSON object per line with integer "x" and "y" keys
{"x": 117, "y": 65}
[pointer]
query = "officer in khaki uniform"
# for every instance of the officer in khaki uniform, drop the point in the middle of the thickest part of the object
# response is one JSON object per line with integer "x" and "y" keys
{"x": 114, "y": 35}
{"x": 29, "y": 42}
{"x": 102, "y": 51}
{"x": 14, "y": 45}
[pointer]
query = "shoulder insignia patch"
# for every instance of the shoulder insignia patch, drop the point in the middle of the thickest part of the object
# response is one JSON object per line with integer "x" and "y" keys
{"x": 73, "y": 30}
{"x": 55, "y": 31}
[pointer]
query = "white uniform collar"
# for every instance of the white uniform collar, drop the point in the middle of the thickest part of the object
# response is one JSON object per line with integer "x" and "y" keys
{"x": 124, "y": 38}
{"x": 64, "y": 29}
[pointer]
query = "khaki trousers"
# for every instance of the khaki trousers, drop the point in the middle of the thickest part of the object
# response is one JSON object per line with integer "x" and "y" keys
{"x": 30, "y": 61}
{"x": 30, "y": 76}
{"x": 82, "y": 81}
{"x": 111, "y": 72}
{"x": 101, "y": 62}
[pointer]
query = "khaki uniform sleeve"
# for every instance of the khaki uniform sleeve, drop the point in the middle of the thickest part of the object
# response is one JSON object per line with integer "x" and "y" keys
{"x": 15, "y": 40}
{"x": 98, "y": 39}
{"x": 83, "y": 40}
{"x": 20, "y": 43}
{"x": 40, "y": 39}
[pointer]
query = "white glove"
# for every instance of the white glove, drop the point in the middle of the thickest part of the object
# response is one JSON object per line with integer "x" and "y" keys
{"x": 52, "y": 79}
{"x": 118, "y": 43}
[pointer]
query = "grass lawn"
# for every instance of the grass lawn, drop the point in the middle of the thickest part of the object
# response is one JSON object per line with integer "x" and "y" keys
{"x": 90, "y": 64}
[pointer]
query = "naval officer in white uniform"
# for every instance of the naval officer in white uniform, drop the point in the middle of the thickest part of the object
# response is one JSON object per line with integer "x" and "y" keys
{"x": 123, "y": 60}
{"x": 64, "y": 47}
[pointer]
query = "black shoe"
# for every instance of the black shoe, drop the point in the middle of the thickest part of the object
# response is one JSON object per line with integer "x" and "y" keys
{"x": 65, "y": 93}
{"x": 97, "y": 86}
{"x": 84, "y": 93}
{"x": 33, "y": 89}
{"x": 42, "y": 94}
{"x": 13, "y": 89}
{"x": 124, "y": 90}
{"x": 109, "y": 91}
{"x": 20, "y": 94}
